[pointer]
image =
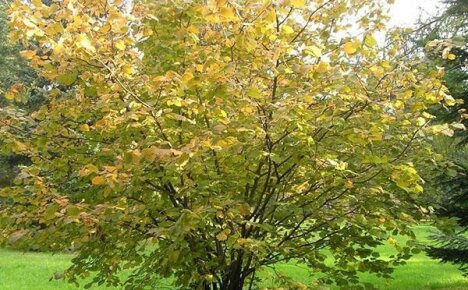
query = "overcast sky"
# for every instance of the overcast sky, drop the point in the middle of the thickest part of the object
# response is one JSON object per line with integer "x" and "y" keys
{"x": 405, "y": 12}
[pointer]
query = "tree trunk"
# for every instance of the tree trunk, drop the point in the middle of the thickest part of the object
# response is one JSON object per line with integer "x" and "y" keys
{"x": 235, "y": 279}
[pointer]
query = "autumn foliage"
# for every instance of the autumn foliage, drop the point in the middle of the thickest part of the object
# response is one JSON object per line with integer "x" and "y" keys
{"x": 205, "y": 140}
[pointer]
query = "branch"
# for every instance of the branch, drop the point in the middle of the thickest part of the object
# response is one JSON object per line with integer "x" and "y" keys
{"x": 310, "y": 19}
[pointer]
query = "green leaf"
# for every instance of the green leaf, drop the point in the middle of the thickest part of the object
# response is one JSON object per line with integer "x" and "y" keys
{"x": 254, "y": 93}
{"x": 90, "y": 91}
{"x": 68, "y": 78}
{"x": 50, "y": 211}
{"x": 73, "y": 211}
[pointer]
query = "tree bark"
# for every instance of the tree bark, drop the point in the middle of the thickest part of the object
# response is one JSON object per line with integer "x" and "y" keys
{"x": 235, "y": 281}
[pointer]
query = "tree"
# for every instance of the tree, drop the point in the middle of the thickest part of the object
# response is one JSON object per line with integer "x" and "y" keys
{"x": 448, "y": 33}
{"x": 15, "y": 70}
{"x": 206, "y": 140}
{"x": 452, "y": 205}
{"x": 450, "y": 182}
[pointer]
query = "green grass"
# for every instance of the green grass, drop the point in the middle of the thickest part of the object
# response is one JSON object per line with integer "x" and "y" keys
{"x": 420, "y": 272}
{"x": 31, "y": 271}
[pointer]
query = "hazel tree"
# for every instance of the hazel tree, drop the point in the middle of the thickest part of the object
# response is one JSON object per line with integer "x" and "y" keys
{"x": 207, "y": 140}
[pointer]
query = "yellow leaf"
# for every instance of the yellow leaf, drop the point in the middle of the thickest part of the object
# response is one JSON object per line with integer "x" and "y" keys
{"x": 188, "y": 76}
{"x": 55, "y": 28}
{"x": 29, "y": 23}
{"x": 341, "y": 166}
{"x": 458, "y": 126}
{"x": 98, "y": 180}
{"x": 120, "y": 44}
{"x": 427, "y": 115}
{"x": 386, "y": 64}
{"x": 314, "y": 51}
{"x": 370, "y": 41}
{"x": 128, "y": 70}
{"x": 147, "y": 31}
{"x": 449, "y": 100}
{"x": 271, "y": 16}
{"x": 420, "y": 121}
{"x": 245, "y": 210}
{"x": 58, "y": 48}
{"x": 87, "y": 170}
{"x": 19, "y": 147}
{"x": 298, "y": 3}
{"x": 406, "y": 94}
{"x": 84, "y": 128}
{"x": 10, "y": 94}
{"x": 136, "y": 155}
{"x": 441, "y": 129}
{"x": 350, "y": 48}
{"x": 15, "y": 92}
{"x": 221, "y": 236}
{"x": 175, "y": 102}
{"x": 378, "y": 70}
{"x": 83, "y": 41}
{"x": 322, "y": 67}
{"x": 287, "y": 29}
{"x": 228, "y": 13}
{"x": 309, "y": 99}
{"x": 452, "y": 56}
{"x": 254, "y": 93}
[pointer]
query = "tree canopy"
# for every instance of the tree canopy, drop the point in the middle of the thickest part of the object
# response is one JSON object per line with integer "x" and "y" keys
{"x": 205, "y": 140}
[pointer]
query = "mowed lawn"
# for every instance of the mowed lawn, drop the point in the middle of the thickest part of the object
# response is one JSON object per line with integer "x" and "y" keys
{"x": 31, "y": 271}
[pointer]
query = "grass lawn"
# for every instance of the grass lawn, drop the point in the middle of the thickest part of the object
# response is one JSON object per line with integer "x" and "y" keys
{"x": 31, "y": 271}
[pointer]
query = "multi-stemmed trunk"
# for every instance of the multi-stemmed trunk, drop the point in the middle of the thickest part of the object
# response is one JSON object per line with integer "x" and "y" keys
{"x": 233, "y": 279}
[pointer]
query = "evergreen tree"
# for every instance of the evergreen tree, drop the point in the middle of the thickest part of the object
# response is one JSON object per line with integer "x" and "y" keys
{"x": 450, "y": 29}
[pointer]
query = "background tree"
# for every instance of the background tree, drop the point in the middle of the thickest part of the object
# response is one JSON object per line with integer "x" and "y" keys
{"x": 447, "y": 31}
{"x": 205, "y": 140}
{"x": 452, "y": 191}
{"x": 451, "y": 187}
{"x": 15, "y": 73}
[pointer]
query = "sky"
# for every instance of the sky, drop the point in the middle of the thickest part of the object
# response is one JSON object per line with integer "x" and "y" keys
{"x": 406, "y": 12}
